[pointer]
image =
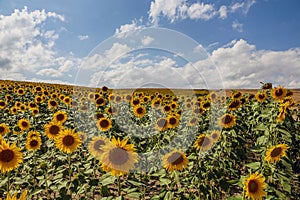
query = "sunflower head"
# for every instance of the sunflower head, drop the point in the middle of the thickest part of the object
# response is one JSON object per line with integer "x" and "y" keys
{"x": 52, "y": 129}
{"x": 24, "y": 124}
{"x": 227, "y": 120}
{"x": 254, "y": 186}
{"x": 172, "y": 121}
{"x": 60, "y": 116}
{"x": 215, "y": 135}
{"x": 278, "y": 93}
{"x": 104, "y": 124}
{"x": 175, "y": 160}
{"x": 33, "y": 143}
{"x": 203, "y": 142}
{"x": 139, "y": 111}
{"x": 10, "y": 156}
{"x": 274, "y": 153}
{"x": 161, "y": 124}
{"x": 261, "y": 96}
{"x": 118, "y": 157}
{"x": 67, "y": 141}
{"x": 4, "y": 129}
{"x": 235, "y": 104}
{"x": 95, "y": 146}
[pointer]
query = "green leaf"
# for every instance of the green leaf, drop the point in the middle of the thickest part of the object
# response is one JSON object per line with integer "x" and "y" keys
{"x": 169, "y": 195}
{"x": 135, "y": 183}
{"x": 235, "y": 198}
{"x": 135, "y": 195}
{"x": 109, "y": 180}
{"x": 164, "y": 181}
{"x": 253, "y": 165}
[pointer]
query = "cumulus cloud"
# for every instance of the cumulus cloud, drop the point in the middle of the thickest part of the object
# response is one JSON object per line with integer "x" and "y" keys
{"x": 26, "y": 47}
{"x": 147, "y": 40}
{"x": 181, "y": 9}
{"x": 126, "y": 29}
{"x": 237, "y": 64}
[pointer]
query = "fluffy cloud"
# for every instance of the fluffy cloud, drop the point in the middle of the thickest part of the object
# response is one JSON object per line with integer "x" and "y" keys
{"x": 181, "y": 9}
{"x": 126, "y": 29}
{"x": 27, "y": 48}
{"x": 235, "y": 65}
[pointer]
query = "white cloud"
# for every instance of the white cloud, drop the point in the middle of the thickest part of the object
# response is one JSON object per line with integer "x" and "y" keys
{"x": 27, "y": 48}
{"x": 126, "y": 29}
{"x": 83, "y": 37}
{"x": 239, "y": 65}
{"x": 237, "y": 26}
{"x": 223, "y": 12}
{"x": 147, "y": 40}
{"x": 181, "y": 9}
{"x": 243, "y": 6}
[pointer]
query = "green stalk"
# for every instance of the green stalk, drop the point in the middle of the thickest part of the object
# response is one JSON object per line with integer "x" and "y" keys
{"x": 8, "y": 181}
{"x": 45, "y": 174}
{"x": 34, "y": 170}
{"x": 119, "y": 186}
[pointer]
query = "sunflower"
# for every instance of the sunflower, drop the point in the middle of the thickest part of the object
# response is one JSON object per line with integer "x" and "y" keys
{"x": 24, "y": 124}
{"x": 205, "y": 105}
{"x": 2, "y": 104}
{"x": 95, "y": 146}
{"x": 68, "y": 101}
{"x": 278, "y": 93}
{"x": 14, "y": 110}
{"x": 10, "y": 156}
{"x": 100, "y": 101}
{"x": 111, "y": 110}
{"x": 236, "y": 94}
{"x": 261, "y": 96}
{"x": 4, "y": 129}
{"x": 173, "y": 121}
{"x": 175, "y": 160}
{"x": 38, "y": 99}
{"x": 193, "y": 121}
{"x": 227, "y": 120}
{"x": 161, "y": 124}
{"x": 118, "y": 157}
{"x": 254, "y": 186}
{"x": 67, "y": 140}
{"x": 20, "y": 91}
{"x": 203, "y": 142}
{"x": 156, "y": 103}
{"x": 32, "y": 134}
{"x": 60, "y": 116}
{"x": 275, "y": 152}
{"x": 52, "y": 104}
{"x": 235, "y": 104}
{"x": 215, "y": 135}
{"x": 52, "y": 129}
{"x": 35, "y": 111}
{"x": 104, "y": 124}
{"x": 33, "y": 143}
{"x": 139, "y": 111}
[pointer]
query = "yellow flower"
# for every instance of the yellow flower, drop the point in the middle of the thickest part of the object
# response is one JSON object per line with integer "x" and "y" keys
{"x": 227, "y": 121}
{"x": 261, "y": 96}
{"x": 139, "y": 111}
{"x": 33, "y": 143}
{"x": 203, "y": 142}
{"x": 67, "y": 141}
{"x": 278, "y": 93}
{"x": 60, "y": 116}
{"x": 14, "y": 197}
{"x": 175, "y": 160}
{"x": 52, "y": 129}
{"x": 104, "y": 124}
{"x": 254, "y": 186}
{"x": 10, "y": 156}
{"x": 275, "y": 152}
{"x": 4, "y": 129}
{"x": 95, "y": 146}
{"x": 118, "y": 157}
{"x": 24, "y": 124}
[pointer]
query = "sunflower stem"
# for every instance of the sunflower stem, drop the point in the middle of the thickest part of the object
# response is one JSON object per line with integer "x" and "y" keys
{"x": 45, "y": 174}
{"x": 8, "y": 181}
{"x": 34, "y": 171}
{"x": 70, "y": 170}
{"x": 119, "y": 186}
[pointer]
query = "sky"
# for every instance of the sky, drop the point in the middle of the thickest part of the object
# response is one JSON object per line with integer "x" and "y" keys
{"x": 151, "y": 43}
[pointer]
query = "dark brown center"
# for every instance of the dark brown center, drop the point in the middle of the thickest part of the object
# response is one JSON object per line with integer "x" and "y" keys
{"x": 7, "y": 155}
{"x": 60, "y": 117}
{"x": 252, "y": 186}
{"x": 227, "y": 119}
{"x": 33, "y": 143}
{"x": 118, "y": 156}
{"x": 175, "y": 159}
{"x": 54, "y": 130}
{"x": 68, "y": 140}
{"x": 276, "y": 152}
{"x": 104, "y": 123}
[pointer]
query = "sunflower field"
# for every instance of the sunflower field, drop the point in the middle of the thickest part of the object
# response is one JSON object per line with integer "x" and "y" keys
{"x": 71, "y": 142}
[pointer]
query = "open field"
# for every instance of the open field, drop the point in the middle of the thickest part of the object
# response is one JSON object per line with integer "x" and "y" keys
{"x": 65, "y": 142}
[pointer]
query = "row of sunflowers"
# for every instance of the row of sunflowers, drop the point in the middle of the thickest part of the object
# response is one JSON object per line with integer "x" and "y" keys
{"x": 67, "y": 142}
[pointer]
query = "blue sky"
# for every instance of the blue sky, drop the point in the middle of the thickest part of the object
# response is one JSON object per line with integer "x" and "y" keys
{"x": 246, "y": 41}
